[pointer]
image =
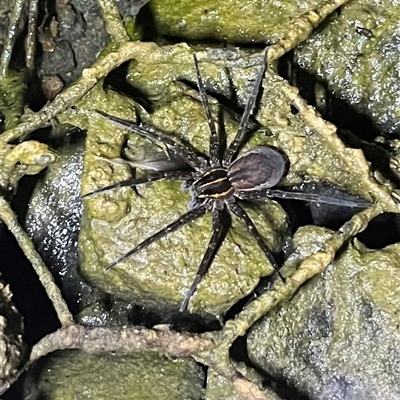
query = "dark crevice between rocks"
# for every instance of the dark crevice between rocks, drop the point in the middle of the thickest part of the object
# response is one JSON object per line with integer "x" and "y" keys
{"x": 382, "y": 231}
{"x": 145, "y": 24}
{"x": 281, "y": 387}
{"x": 354, "y": 129}
{"x": 178, "y": 322}
{"x": 116, "y": 81}
{"x": 378, "y": 154}
{"x": 29, "y": 296}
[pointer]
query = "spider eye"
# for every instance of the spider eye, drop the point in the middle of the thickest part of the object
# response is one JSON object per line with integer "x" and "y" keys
{"x": 259, "y": 168}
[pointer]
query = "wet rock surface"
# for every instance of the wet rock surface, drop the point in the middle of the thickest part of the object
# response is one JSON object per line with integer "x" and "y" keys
{"x": 73, "y": 374}
{"x": 356, "y": 55}
{"x": 233, "y": 21}
{"x": 53, "y": 217}
{"x": 338, "y": 337}
{"x": 112, "y": 225}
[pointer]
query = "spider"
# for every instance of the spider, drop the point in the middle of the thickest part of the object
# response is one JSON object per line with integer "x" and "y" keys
{"x": 220, "y": 181}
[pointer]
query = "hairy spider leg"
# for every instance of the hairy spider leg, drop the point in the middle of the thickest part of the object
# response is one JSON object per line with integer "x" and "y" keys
{"x": 312, "y": 197}
{"x": 175, "y": 175}
{"x": 219, "y": 231}
{"x": 214, "y": 136}
{"x": 185, "y": 152}
{"x": 242, "y": 215}
{"x": 241, "y": 133}
{"x": 182, "y": 220}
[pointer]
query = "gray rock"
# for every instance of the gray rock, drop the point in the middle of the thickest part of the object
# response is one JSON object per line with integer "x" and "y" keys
{"x": 53, "y": 218}
{"x": 357, "y": 55}
{"x": 338, "y": 338}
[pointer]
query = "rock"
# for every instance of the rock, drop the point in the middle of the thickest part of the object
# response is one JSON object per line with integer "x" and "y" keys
{"x": 79, "y": 36}
{"x": 53, "y": 218}
{"x": 74, "y": 374}
{"x": 114, "y": 222}
{"x": 357, "y": 55}
{"x": 338, "y": 337}
{"x": 232, "y": 21}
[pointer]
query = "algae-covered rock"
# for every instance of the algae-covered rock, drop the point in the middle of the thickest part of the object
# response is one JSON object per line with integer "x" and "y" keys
{"x": 230, "y": 73}
{"x": 338, "y": 337}
{"x": 12, "y": 88}
{"x": 357, "y": 55}
{"x": 69, "y": 375}
{"x": 232, "y": 20}
{"x": 219, "y": 388}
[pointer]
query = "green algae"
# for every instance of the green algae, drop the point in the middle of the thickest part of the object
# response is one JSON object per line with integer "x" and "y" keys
{"x": 233, "y": 21}
{"x": 341, "y": 329}
{"x": 177, "y": 112}
{"x": 70, "y": 375}
{"x": 357, "y": 56}
{"x": 12, "y": 90}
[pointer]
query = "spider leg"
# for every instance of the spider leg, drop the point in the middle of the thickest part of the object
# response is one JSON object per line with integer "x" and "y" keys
{"x": 241, "y": 133}
{"x": 214, "y": 138}
{"x": 242, "y": 215}
{"x": 183, "y": 151}
{"x": 182, "y": 220}
{"x": 219, "y": 232}
{"x": 176, "y": 175}
{"x": 312, "y": 197}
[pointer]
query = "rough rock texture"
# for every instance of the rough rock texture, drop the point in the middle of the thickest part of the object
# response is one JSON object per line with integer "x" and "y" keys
{"x": 233, "y": 21}
{"x": 338, "y": 338}
{"x": 78, "y": 37}
{"x": 72, "y": 375}
{"x": 356, "y": 55}
{"x": 219, "y": 388}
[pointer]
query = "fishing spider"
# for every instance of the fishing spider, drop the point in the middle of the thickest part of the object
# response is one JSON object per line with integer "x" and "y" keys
{"x": 218, "y": 182}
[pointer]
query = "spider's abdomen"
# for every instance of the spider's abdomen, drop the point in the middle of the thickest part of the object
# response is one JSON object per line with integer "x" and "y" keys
{"x": 214, "y": 184}
{"x": 260, "y": 168}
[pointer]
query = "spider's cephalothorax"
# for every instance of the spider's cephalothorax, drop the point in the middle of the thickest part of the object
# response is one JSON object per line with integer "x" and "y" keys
{"x": 220, "y": 181}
